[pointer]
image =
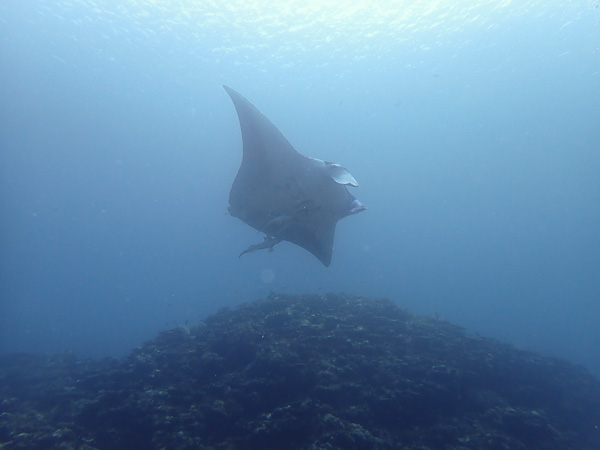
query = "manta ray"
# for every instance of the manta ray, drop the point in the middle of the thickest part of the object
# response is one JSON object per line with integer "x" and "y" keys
{"x": 284, "y": 194}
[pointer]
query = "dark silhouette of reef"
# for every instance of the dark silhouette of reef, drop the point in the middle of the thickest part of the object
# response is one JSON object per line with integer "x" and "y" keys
{"x": 310, "y": 372}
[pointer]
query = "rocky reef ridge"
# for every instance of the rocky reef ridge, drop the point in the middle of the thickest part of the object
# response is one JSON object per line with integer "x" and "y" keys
{"x": 311, "y": 372}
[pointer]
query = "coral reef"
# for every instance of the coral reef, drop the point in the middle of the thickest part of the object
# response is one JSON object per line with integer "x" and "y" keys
{"x": 314, "y": 372}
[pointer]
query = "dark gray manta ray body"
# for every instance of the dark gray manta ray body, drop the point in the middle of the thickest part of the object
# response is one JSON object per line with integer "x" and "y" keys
{"x": 284, "y": 194}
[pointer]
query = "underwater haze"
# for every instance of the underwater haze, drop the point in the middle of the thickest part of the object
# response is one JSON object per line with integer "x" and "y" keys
{"x": 472, "y": 127}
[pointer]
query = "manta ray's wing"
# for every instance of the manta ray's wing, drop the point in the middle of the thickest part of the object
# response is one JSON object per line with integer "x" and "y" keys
{"x": 284, "y": 194}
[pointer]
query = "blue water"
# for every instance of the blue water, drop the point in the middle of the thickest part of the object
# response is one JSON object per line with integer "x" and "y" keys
{"x": 473, "y": 129}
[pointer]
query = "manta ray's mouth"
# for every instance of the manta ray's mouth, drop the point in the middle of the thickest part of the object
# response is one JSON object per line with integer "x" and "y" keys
{"x": 357, "y": 206}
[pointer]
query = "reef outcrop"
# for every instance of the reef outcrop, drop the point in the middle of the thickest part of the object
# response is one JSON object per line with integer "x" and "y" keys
{"x": 311, "y": 372}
